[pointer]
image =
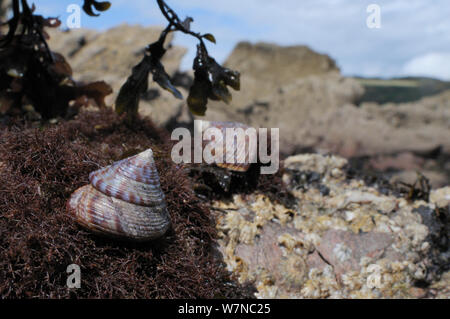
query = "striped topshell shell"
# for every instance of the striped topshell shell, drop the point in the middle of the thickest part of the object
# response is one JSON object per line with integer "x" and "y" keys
{"x": 123, "y": 200}
{"x": 243, "y": 154}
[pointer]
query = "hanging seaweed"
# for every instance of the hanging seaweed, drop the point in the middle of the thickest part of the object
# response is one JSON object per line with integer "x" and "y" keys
{"x": 210, "y": 78}
{"x": 35, "y": 79}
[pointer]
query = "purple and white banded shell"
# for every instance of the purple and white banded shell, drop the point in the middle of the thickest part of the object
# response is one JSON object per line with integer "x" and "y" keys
{"x": 123, "y": 200}
{"x": 243, "y": 154}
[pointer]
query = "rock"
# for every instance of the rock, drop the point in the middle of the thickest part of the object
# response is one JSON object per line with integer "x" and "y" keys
{"x": 437, "y": 179}
{"x": 274, "y": 64}
{"x": 288, "y": 271}
{"x": 4, "y": 6}
{"x": 302, "y": 93}
{"x": 284, "y": 87}
{"x": 367, "y": 131}
{"x": 441, "y": 197}
{"x": 110, "y": 56}
{"x": 314, "y": 260}
{"x": 441, "y": 288}
{"x": 418, "y": 293}
{"x": 292, "y": 88}
{"x": 402, "y": 161}
{"x": 328, "y": 165}
{"x": 419, "y": 126}
{"x": 295, "y": 89}
{"x": 344, "y": 250}
{"x": 403, "y": 166}
{"x": 352, "y": 242}
{"x": 437, "y": 256}
{"x": 294, "y": 108}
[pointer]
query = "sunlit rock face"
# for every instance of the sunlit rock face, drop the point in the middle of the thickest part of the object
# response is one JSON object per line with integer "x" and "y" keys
{"x": 295, "y": 89}
{"x": 285, "y": 87}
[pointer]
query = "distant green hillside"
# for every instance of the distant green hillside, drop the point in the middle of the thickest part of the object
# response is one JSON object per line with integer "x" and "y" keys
{"x": 400, "y": 90}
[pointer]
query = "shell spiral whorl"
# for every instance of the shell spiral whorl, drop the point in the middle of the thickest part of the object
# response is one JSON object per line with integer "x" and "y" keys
{"x": 123, "y": 200}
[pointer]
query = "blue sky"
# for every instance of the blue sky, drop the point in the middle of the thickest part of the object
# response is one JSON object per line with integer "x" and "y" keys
{"x": 414, "y": 38}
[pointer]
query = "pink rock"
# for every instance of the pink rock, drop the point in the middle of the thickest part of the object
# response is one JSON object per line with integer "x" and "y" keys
{"x": 344, "y": 250}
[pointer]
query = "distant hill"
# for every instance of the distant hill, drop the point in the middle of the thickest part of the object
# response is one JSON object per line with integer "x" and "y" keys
{"x": 399, "y": 90}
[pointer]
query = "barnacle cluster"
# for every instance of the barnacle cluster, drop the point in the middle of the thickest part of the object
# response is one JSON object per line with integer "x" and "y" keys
{"x": 352, "y": 242}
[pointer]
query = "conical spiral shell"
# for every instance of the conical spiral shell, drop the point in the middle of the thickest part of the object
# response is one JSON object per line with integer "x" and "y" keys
{"x": 241, "y": 152}
{"x": 123, "y": 200}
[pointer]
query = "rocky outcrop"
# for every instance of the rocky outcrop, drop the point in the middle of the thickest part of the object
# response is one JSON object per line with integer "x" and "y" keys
{"x": 295, "y": 89}
{"x": 290, "y": 88}
{"x": 4, "y": 5}
{"x": 314, "y": 106}
{"x": 302, "y": 93}
{"x": 418, "y": 126}
{"x": 341, "y": 239}
{"x": 272, "y": 64}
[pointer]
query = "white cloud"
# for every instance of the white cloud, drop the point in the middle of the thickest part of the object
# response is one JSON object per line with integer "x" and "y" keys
{"x": 432, "y": 65}
{"x": 409, "y": 29}
{"x": 336, "y": 27}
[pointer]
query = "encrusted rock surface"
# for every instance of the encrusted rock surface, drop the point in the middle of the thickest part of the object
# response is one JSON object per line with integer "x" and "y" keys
{"x": 341, "y": 238}
{"x": 441, "y": 197}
